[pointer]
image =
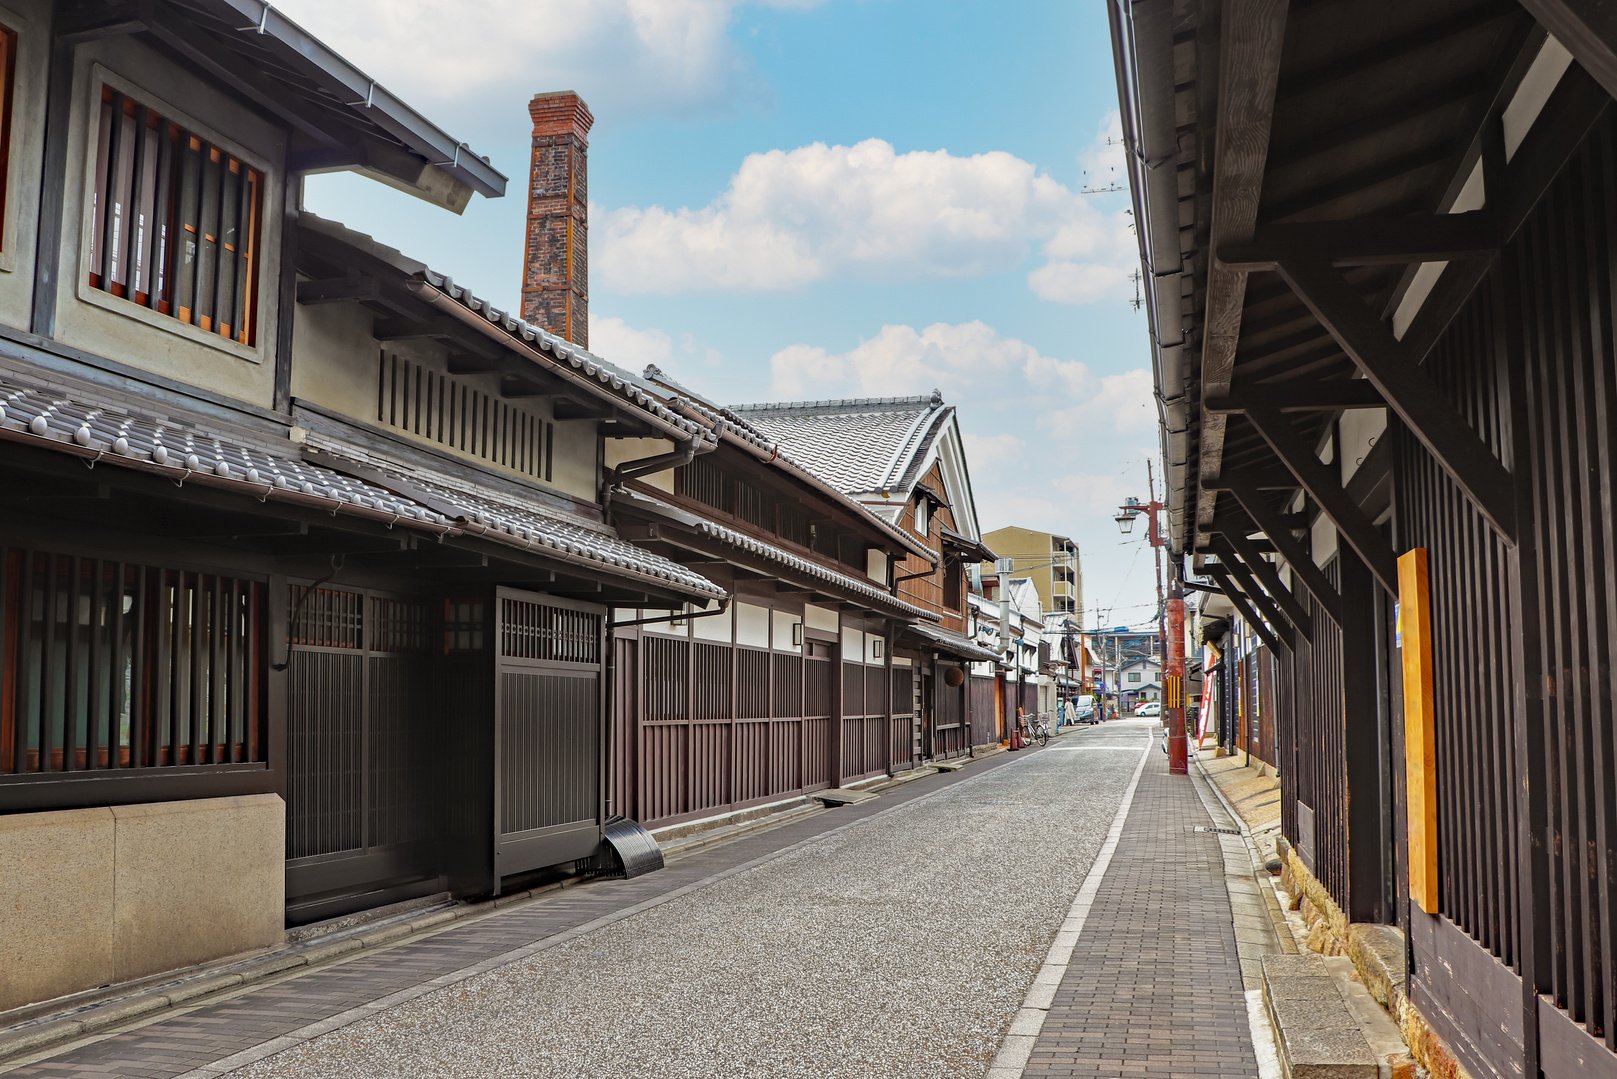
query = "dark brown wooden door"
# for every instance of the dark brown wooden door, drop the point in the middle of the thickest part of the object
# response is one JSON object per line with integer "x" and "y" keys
{"x": 549, "y": 723}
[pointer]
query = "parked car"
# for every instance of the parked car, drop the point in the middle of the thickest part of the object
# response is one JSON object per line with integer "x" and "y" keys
{"x": 1084, "y": 709}
{"x": 1149, "y": 708}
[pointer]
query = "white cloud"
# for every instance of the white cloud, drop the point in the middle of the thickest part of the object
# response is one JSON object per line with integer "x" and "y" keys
{"x": 972, "y": 363}
{"x": 992, "y": 451}
{"x": 790, "y": 218}
{"x": 623, "y": 56}
{"x": 632, "y": 348}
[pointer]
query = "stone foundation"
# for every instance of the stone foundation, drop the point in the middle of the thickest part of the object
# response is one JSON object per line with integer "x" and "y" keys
{"x": 94, "y": 897}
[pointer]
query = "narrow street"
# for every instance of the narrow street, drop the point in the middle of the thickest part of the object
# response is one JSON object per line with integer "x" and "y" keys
{"x": 930, "y": 909}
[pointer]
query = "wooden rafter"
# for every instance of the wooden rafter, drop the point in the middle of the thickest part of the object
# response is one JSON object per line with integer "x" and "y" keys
{"x": 1376, "y": 241}
{"x": 1234, "y": 546}
{"x": 1314, "y": 396}
{"x": 1231, "y": 592}
{"x": 1321, "y": 483}
{"x": 1369, "y": 342}
{"x": 1589, "y": 31}
{"x": 1253, "y": 38}
{"x": 1260, "y": 599}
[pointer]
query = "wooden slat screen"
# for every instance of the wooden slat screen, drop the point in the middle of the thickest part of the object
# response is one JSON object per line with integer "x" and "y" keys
{"x": 111, "y": 665}
{"x": 440, "y": 408}
{"x": 175, "y": 221}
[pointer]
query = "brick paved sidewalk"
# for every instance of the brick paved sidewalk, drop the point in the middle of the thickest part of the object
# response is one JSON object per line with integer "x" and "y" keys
{"x": 1153, "y": 986}
{"x": 280, "y": 1013}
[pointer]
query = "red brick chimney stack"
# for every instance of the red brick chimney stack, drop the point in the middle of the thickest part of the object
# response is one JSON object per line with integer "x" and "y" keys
{"x": 555, "y": 271}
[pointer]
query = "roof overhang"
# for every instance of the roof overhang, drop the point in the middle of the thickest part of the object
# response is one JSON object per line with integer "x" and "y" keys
{"x": 339, "y": 117}
{"x": 1307, "y": 236}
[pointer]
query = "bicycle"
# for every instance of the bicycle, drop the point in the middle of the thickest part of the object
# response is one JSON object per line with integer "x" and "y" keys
{"x": 1033, "y": 729}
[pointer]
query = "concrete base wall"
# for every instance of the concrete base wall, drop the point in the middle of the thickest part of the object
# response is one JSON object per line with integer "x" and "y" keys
{"x": 90, "y": 897}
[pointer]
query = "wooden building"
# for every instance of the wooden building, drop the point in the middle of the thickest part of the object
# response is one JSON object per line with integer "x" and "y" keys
{"x": 810, "y": 678}
{"x": 305, "y": 578}
{"x": 904, "y": 460}
{"x": 1381, "y": 247}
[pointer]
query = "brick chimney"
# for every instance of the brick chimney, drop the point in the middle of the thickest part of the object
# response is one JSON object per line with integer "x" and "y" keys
{"x": 555, "y": 271}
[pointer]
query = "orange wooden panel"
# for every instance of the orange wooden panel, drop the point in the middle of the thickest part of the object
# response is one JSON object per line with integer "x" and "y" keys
{"x": 1420, "y": 738}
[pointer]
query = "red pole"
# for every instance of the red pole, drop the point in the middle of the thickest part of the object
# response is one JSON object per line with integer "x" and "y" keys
{"x": 1173, "y": 684}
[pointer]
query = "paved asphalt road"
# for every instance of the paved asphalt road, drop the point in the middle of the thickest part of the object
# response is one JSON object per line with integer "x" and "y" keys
{"x": 900, "y": 945}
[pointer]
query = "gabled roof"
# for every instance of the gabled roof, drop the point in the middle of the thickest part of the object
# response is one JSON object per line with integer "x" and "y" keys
{"x": 727, "y": 424}
{"x": 867, "y": 445}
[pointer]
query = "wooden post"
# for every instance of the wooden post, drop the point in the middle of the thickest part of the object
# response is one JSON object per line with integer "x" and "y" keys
{"x": 1420, "y": 734}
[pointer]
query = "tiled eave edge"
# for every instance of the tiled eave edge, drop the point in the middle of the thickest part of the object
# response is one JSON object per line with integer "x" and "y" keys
{"x": 855, "y": 589}
{"x": 362, "y": 501}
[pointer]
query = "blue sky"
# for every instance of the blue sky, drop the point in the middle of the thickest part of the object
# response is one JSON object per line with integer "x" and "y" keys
{"x": 819, "y": 198}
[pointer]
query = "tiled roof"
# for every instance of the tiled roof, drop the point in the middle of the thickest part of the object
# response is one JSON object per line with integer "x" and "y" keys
{"x": 737, "y": 426}
{"x": 780, "y": 556}
{"x": 864, "y": 446}
{"x": 622, "y": 384}
{"x": 954, "y": 644}
{"x": 78, "y": 422}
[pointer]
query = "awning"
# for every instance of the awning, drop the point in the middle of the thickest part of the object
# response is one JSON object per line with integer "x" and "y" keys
{"x": 80, "y": 423}
{"x": 953, "y": 644}
{"x": 974, "y": 549}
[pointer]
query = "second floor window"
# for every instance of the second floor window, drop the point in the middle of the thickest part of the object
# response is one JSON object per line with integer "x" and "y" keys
{"x": 1134, "y": 676}
{"x": 176, "y": 221}
{"x": 8, "y": 63}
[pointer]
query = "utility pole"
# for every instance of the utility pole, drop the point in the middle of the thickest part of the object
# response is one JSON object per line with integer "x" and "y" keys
{"x": 1170, "y": 625}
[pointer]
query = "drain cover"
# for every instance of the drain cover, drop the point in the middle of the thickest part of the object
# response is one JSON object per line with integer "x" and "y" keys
{"x": 1217, "y": 831}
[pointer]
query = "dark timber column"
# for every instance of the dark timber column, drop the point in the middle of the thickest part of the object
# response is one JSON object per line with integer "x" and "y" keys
{"x": 555, "y": 271}
{"x": 1367, "y": 837}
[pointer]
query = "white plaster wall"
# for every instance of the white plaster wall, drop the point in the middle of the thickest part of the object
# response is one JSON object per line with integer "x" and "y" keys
{"x": 752, "y": 625}
{"x": 820, "y": 618}
{"x": 1323, "y": 540}
{"x": 1361, "y": 428}
{"x": 853, "y": 644}
{"x": 876, "y": 566}
{"x": 714, "y": 627}
{"x": 784, "y": 621}
{"x": 619, "y": 450}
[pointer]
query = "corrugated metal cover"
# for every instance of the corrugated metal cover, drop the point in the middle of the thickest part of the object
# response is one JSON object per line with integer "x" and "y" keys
{"x": 627, "y": 850}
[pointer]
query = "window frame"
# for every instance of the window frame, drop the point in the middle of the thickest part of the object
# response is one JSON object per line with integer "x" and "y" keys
{"x": 9, "y": 50}
{"x": 98, "y": 78}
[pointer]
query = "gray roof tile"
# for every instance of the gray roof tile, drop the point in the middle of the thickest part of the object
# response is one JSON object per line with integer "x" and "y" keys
{"x": 100, "y": 432}
{"x": 864, "y": 445}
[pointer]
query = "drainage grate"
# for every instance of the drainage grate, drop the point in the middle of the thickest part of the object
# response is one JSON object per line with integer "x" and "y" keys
{"x": 1217, "y": 831}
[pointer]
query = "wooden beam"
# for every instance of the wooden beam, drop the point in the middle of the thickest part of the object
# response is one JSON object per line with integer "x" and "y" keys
{"x": 1296, "y": 554}
{"x": 1238, "y": 598}
{"x": 1239, "y": 547}
{"x": 1420, "y": 739}
{"x": 572, "y": 409}
{"x": 1261, "y": 600}
{"x": 1589, "y": 32}
{"x": 338, "y": 290}
{"x": 1457, "y": 448}
{"x": 1377, "y": 241}
{"x": 1310, "y": 396}
{"x": 1321, "y": 483}
{"x": 1252, "y": 37}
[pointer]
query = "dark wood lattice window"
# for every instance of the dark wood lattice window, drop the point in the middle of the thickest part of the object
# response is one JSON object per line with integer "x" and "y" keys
{"x": 448, "y": 411}
{"x": 176, "y": 221}
{"x": 106, "y": 664}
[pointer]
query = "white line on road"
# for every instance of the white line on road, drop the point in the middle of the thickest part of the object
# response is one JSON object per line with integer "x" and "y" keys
{"x": 1011, "y": 1060}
